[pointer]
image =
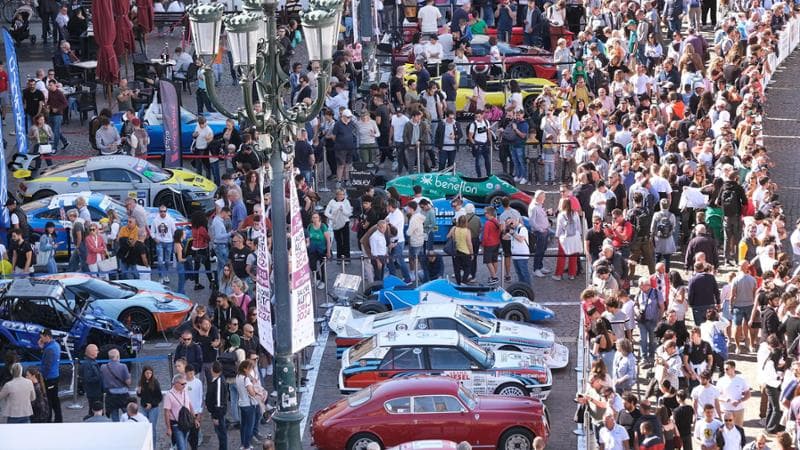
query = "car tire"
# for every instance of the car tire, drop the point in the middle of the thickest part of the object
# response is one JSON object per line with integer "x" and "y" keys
{"x": 529, "y": 104}
{"x": 514, "y": 313}
{"x": 140, "y": 317}
{"x": 512, "y": 390}
{"x": 521, "y": 70}
{"x": 372, "y": 307}
{"x": 166, "y": 198}
{"x": 43, "y": 194}
{"x": 373, "y": 288}
{"x": 495, "y": 199}
{"x": 521, "y": 290}
{"x": 519, "y": 206}
{"x": 360, "y": 441}
{"x": 516, "y": 438}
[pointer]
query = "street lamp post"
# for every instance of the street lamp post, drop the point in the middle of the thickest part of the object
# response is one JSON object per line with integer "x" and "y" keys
{"x": 253, "y": 43}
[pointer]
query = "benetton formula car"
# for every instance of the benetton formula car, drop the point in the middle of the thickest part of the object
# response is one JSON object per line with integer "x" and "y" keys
{"x": 514, "y": 303}
{"x": 395, "y": 354}
{"x": 351, "y": 327}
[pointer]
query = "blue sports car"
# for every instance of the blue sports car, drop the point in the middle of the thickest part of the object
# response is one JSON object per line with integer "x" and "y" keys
{"x": 515, "y": 303}
{"x": 53, "y": 209}
{"x": 152, "y": 122}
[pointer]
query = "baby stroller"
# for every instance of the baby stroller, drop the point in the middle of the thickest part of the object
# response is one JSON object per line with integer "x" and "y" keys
{"x": 20, "y": 27}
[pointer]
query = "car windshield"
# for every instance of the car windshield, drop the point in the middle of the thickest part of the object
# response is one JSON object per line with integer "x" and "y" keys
{"x": 477, "y": 323}
{"x": 361, "y": 349}
{"x": 187, "y": 117}
{"x": 483, "y": 357}
{"x": 151, "y": 171}
{"x": 360, "y": 397}
{"x": 106, "y": 289}
{"x": 468, "y": 397}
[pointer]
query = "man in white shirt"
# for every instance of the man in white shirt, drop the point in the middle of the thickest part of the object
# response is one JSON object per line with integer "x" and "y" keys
{"x": 613, "y": 436}
{"x": 194, "y": 390}
{"x": 397, "y": 257}
{"x": 132, "y": 414}
{"x": 378, "y": 249}
{"x": 705, "y": 394}
{"x": 428, "y": 17}
{"x": 733, "y": 393}
{"x": 162, "y": 227}
{"x": 434, "y": 53}
{"x": 203, "y": 135}
{"x": 339, "y": 100}
{"x": 730, "y": 436}
{"x": 642, "y": 83}
{"x": 396, "y": 127}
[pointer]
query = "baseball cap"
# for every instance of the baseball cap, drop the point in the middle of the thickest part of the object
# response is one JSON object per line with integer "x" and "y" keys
{"x": 347, "y": 113}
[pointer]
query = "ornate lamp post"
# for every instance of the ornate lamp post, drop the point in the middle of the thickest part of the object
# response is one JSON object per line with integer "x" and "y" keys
{"x": 252, "y": 37}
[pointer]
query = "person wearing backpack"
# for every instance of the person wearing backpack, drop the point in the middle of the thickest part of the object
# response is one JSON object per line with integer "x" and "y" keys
{"x": 661, "y": 228}
{"x": 642, "y": 243}
{"x": 230, "y": 360}
{"x": 178, "y": 413}
{"x": 732, "y": 199}
{"x": 648, "y": 309}
{"x": 217, "y": 403}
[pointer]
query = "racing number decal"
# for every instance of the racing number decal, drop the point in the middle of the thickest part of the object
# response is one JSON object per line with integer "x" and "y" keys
{"x": 139, "y": 196}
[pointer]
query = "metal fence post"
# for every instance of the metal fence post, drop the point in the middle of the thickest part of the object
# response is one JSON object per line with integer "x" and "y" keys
{"x": 75, "y": 403}
{"x": 171, "y": 367}
{"x": 324, "y": 187}
{"x": 419, "y": 162}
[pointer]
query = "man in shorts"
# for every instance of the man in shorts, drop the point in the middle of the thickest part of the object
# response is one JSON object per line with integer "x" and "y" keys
{"x": 743, "y": 294}
{"x": 344, "y": 134}
{"x": 491, "y": 243}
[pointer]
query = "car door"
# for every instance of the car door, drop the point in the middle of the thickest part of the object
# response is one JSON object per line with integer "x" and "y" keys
{"x": 439, "y": 417}
{"x": 112, "y": 181}
{"x": 394, "y": 428}
{"x": 451, "y": 362}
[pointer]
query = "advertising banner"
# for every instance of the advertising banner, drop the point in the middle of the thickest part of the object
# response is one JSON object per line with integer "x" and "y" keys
{"x": 170, "y": 112}
{"x": 263, "y": 289}
{"x": 300, "y": 277}
{"x": 15, "y": 89}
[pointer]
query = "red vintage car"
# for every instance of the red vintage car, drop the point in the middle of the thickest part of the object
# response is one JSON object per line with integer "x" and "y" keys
{"x": 428, "y": 407}
{"x": 519, "y": 61}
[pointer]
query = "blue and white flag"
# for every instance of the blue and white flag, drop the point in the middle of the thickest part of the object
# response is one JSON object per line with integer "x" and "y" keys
{"x": 16, "y": 94}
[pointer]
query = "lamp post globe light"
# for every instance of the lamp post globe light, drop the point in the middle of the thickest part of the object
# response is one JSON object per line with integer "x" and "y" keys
{"x": 252, "y": 37}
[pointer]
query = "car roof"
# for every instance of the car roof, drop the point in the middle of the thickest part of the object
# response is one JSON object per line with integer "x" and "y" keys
{"x": 416, "y": 385}
{"x": 417, "y": 337}
{"x": 111, "y": 161}
{"x": 34, "y": 288}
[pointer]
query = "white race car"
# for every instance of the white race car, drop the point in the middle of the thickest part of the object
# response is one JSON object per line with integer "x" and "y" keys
{"x": 352, "y": 326}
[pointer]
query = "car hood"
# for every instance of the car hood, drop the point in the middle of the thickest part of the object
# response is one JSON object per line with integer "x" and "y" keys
{"x": 347, "y": 322}
{"x": 182, "y": 178}
{"x": 523, "y": 333}
{"x": 330, "y": 412}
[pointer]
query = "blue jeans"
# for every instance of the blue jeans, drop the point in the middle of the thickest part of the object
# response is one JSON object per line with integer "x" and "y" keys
{"x": 396, "y": 258}
{"x": 51, "y": 266}
{"x": 221, "y": 250}
{"x": 249, "y": 419}
{"x": 482, "y": 151}
{"x": 541, "y": 245}
{"x": 181, "y": 267}
{"x": 152, "y": 416}
{"x": 164, "y": 256}
{"x": 521, "y": 267}
{"x": 488, "y": 14}
{"x": 699, "y": 314}
{"x": 215, "y": 172}
{"x": 55, "y": 122}
{"x": 518, "y": 156}
{"x": 234, "y": 400}
{"x": 418, "y": 253}
{"x": 18, "y": 420}
{"x": 127, "y": 271}
{"x": 674, "y": 25}
{"x": 647, "y": 334}
{"x": 179, "y": 438}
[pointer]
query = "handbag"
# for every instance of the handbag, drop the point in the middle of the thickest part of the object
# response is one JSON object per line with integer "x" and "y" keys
{"x": 108, "y": 264}
{"x": 45, "y": 149}
{"x": 450, "y": 247}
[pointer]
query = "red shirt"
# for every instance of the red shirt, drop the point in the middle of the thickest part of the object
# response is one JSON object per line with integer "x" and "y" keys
{"x": 620, "y": 235}
{"x": 596, "y": 303}
{"x": 3, "y": 81}
{"x": 491, "y": 233}
{"x": 200, "y": 238}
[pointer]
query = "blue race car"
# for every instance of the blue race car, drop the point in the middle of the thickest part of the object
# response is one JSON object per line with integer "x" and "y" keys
{"x": 29, "y": 305}
{"x": 153, "y": 123}
{"x": 515, "y": 303}
{"x": 53, "y": 209}
{"x": 444, "y": 217}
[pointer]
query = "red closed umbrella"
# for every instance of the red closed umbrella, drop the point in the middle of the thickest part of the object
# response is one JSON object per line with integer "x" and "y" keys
{"x": 124, "y": 40}
{"x": 104, "y": 33}
{"x": 145, "y": 15}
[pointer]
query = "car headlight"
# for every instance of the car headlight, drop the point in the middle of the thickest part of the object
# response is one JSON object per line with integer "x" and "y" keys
{"x": 199, "y": 195}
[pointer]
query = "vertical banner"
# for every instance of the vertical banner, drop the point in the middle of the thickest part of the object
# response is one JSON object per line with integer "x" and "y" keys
{"x": 170, "y": 113}
{"x": 15, "y": 89}
{"x": 263, "y": 290}
{"x": 3, "y": 171}
{"x": 300, "y": 276}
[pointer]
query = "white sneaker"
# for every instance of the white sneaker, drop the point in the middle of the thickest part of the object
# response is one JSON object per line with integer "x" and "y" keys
{"x": 571, "y": 277}
{"x": 556, "y": 277}
{"x": 516, "y": 179}
{"x": 523, "y": 181}
{"x": 165, "y": 280}
{"x": 539, "y": 274}
{"x": 545, "y": 270}
{"x": 320, "y": 285}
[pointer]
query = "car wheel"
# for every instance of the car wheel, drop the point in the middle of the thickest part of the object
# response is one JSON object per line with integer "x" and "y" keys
{"x": 516, "y": 439}
{"x": 362, "y": 440}
{"x": 372, "y": 307}
{"x": 515, "y": 313}
{"x": 139, "y": 317}
{"x": 43, "y": 194}
{"x": 522, "y": 70}
{"x": 511, "y": 390}
{"x": 496, "y": 199}
{"x": 13, "y": 165}
{"x": 529, "y": 104}
{"x": 166, "y": 198}
{"x": 520, "y": 290}
{"x": 373, "y": 288}
{"x": 519, "y": 206}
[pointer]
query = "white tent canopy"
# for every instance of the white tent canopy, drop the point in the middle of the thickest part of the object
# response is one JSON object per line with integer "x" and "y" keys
{"x": 77, "y": 436}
